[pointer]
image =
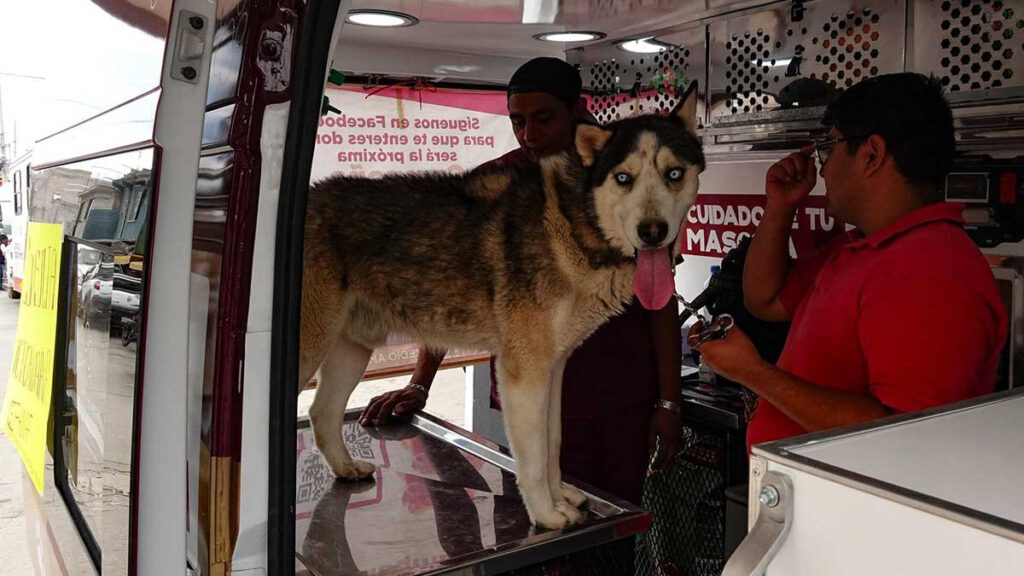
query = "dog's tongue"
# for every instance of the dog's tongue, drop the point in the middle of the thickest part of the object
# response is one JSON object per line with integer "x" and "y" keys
{"x": 653, "y": 281}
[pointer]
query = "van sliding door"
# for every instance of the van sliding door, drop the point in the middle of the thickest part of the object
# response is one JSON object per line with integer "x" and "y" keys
{"x": 316, "y": 46}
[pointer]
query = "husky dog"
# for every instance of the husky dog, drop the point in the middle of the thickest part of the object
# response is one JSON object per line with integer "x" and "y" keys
{"x": 525, "y": 264}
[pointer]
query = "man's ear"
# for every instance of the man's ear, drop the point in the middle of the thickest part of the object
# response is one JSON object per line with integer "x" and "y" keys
{"x": 872, "y": 154}
{"x": 580, "y": 113}
{"x": 590, "y": 140}
{"x": 686, "y": 110}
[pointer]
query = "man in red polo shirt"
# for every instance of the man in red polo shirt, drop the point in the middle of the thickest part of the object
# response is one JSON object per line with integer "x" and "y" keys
{"x": 898, "y": 315}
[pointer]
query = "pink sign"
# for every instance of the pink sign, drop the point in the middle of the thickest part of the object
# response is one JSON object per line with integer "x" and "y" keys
{"x": 717, "y": 222}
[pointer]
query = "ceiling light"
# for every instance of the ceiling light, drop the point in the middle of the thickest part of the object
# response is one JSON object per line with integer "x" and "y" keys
{"x": 380, "y": 18}
{"x": 572, "y": 36}
{"x": 643, "y": 46}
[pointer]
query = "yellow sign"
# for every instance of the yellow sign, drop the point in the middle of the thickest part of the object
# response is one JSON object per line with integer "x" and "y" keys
{"x": 27, "y": 401}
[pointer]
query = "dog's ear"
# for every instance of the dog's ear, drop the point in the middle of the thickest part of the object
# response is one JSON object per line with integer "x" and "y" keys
{"x": 590, "y": 139}
{"x": 686, "y": 110}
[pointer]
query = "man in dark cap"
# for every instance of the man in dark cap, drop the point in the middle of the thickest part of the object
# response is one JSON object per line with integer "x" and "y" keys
{"x": 610, "y": 424}
{"x": 544, "y": 104}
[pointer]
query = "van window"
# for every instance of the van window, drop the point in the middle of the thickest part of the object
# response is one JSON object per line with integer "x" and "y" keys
{"x": 136, "y": 210}
{"x": 94, "y": 405}
{"x": 17, "y": 193}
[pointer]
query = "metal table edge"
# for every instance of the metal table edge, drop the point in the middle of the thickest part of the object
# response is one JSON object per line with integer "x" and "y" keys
{"x": 781, "y": 452}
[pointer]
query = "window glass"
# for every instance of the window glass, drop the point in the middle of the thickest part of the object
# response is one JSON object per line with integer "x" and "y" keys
{"x": 105, "y": 289}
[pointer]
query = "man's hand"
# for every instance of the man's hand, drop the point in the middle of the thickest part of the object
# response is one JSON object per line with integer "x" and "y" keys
{"x": 667, "y": 427}
{"x": 791, "y": 179}
{"x": 734, "y": 356}
{"x": 401, "y": 401}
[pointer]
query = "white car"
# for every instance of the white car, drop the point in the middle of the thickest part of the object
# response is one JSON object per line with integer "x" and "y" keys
{"x": 124, "y": 299}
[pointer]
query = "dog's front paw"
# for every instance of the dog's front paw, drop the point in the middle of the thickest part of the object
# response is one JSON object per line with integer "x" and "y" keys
{"x": 562, "y": 514}
{"x": 573, "y": 495}
{"x": 571, "y": 513}
{"x": 354, "y": 470}
{"x": 551, "y": 519}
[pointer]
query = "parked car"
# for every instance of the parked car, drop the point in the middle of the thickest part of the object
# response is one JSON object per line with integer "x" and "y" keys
{"x": 94, "y": 294}
{"x": 124, "y": 298}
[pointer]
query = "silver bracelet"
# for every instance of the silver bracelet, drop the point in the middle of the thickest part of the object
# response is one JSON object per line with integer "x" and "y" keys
{"x": 418, "y": 387}
{"x": 669, "y": 405}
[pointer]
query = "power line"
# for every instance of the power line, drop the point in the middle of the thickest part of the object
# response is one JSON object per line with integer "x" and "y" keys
{"x": 16, "y": 75}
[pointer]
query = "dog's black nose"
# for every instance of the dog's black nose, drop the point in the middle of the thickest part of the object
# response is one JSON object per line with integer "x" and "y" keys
{"x": 652, "y": 231}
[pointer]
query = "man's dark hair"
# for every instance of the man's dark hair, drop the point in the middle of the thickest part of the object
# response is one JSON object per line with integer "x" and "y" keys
{"x": 910, "y": 113}
{"x": 550, "y": 76}
{"x": 3, "y": 237}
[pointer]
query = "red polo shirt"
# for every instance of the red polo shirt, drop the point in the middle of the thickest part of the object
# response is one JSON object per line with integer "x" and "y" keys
{"x": 910, "y": 315}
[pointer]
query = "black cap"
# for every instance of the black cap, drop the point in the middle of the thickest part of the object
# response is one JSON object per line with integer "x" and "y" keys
{"x": 549, "y": 76}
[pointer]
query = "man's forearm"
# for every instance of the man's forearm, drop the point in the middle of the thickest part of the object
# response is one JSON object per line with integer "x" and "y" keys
{"x": 811, "y": 406}
{"x": 427, "y": 363}
{"x": 668, "y": 349}
{"x": 767, "y": 262}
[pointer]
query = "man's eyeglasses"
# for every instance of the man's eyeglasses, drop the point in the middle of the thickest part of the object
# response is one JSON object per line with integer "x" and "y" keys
{"x": 823, "y": 148}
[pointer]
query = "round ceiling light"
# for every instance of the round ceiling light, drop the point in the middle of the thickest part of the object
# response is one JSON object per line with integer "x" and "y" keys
{"x": 643, "y": 46}
{"x": 571, "y": 36}
{"x": 380, "y": 18}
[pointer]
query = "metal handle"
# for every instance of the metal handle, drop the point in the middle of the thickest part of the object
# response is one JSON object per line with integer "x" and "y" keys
{"x": 775, "y": 515}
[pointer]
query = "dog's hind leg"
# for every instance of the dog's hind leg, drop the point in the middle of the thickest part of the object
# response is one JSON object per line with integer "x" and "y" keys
{"x": 340, "y": 373}
{"x": 524, "y": 381}
{"x": 561, "y": 492}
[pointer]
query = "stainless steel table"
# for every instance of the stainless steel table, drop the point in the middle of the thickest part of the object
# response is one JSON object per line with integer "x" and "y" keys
{"x": 442, "y": 501}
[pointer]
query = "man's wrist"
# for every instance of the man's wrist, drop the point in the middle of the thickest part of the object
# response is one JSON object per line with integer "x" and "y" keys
{"x": 419, "y": 388}
{"x": 675, "y": 397}
{"x": 781, "y": 208}
{"x": 669, "y": 405}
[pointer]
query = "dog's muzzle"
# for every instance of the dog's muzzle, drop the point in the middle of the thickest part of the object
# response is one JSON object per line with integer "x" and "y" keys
{"x": 652, "y": 231}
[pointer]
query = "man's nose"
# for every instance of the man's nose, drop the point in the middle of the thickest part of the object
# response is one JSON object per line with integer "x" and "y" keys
{"x": 652, "y": 231}
{"x": 532, "y": 133}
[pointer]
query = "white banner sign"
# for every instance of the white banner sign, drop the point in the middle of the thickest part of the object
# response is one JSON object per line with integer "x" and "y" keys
{"x": 394, "y": 131}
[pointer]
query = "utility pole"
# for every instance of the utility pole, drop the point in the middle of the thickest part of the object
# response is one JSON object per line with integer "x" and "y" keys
{"x": 3, "y": 135}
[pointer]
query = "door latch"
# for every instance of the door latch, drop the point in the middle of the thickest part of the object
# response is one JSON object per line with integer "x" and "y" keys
{"x": 189, "y": 46}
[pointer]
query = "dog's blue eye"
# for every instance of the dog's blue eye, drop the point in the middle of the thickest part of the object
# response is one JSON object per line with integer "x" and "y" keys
{"x": 623, "y": 178}
{"x": 675, "y": 174}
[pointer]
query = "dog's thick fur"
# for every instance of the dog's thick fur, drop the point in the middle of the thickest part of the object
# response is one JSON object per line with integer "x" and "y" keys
{"x": 525, "y": 264}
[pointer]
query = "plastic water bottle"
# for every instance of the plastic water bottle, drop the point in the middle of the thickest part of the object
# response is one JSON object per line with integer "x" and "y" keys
{"x": 714, "y": 270}
{"x": 705, "y": 374}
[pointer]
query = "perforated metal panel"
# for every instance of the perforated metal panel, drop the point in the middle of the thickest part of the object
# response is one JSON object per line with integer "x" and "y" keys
{"x": 970, "y": 44}
{"x": 771, "y": 59}
{"x": 848, "y": 47}
{"x": 643, "y": 84}
{"x": 621, "y": 84}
